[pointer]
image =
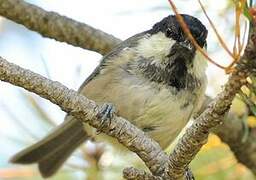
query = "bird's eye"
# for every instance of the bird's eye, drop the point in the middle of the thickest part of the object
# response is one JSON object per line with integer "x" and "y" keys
{"x": 205, "y": 45}
{"x": 168, "y": 33}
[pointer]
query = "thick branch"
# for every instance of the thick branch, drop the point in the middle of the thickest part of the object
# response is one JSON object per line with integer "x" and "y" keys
{"x": 197, "y": 134}
{"x": 60, "y": 28}
{"x": 232, "y": 133}
{"x": 87, "y": 111}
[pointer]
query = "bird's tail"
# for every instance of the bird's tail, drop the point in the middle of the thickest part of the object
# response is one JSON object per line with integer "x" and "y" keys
{"x": 53, "y": 150}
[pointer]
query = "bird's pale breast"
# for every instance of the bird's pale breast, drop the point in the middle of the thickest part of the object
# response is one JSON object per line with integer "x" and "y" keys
{"x": 155, "y": 108}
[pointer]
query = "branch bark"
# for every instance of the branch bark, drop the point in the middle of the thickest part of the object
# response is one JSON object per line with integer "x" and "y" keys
{"x": 135, "y": 174}
{"x": 60, "y": 28}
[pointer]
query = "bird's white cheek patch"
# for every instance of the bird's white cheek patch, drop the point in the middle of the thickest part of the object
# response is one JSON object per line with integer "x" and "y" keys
{"x": 157, "y": 46}
{"x": 199, "y": 65}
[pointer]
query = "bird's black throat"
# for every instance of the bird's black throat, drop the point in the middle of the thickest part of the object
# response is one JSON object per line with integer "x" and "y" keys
{"x": 173, "y": 73}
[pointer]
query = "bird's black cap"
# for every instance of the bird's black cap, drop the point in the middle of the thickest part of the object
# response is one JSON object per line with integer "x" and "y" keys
{"x": 172, "y": 29}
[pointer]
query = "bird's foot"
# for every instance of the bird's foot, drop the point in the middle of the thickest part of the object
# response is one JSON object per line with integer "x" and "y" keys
{"x": 106, "y": 113}
{"x": 188, "y": 174}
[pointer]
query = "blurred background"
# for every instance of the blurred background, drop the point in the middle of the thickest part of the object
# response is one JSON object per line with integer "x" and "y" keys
{"x": 25, "y": 117}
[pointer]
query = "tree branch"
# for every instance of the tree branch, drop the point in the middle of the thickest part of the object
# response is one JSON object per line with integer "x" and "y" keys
{"x": 87, "y": 111}
{"x": 135, "y": 174}
{"x": 232, "y": 133}
{"x": 196, "y": 135}
{"x": 60, "y": 28}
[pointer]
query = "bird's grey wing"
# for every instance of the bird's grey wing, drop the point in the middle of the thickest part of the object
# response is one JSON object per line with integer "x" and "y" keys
{"x": 128, "y": 43}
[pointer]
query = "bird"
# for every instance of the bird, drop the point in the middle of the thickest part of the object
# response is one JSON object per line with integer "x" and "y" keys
{"x": 155, "y": 79}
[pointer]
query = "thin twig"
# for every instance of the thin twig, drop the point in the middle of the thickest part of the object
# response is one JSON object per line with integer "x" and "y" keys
{"x": 222, "y": 42}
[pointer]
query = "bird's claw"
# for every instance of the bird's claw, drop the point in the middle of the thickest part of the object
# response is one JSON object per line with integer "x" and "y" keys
{"x": 106, "y": 113}
{"x": 188, "y": 174}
